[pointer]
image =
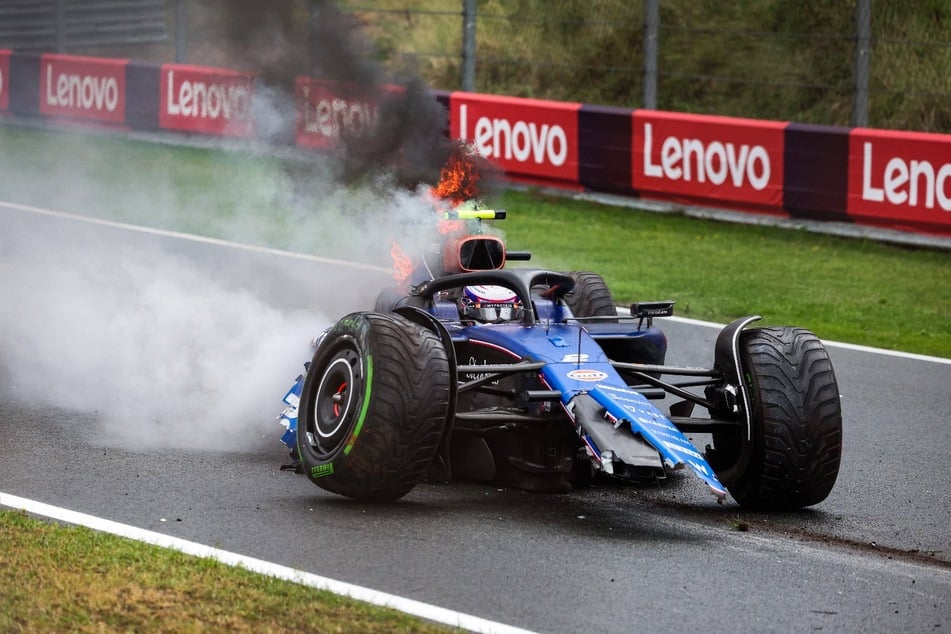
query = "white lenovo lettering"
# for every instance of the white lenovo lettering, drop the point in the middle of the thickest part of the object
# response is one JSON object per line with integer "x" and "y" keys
{"x": 199, "y": 100}
{"x": 331, "y": 117}
{"x": 716, "y": 161}
{"x": 902, "y": 182}
{"x": 522, "y": 141}
{"x": 85, "y": 92}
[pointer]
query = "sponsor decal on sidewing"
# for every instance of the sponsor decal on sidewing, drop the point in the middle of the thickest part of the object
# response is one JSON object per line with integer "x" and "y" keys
{"x": 587, "y": 375}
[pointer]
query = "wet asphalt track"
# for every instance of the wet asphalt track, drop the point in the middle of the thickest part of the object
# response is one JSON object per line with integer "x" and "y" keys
{"x": 873, "y": 557}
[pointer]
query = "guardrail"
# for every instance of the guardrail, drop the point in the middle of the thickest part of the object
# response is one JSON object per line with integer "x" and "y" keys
{"x": 893, "y": 179}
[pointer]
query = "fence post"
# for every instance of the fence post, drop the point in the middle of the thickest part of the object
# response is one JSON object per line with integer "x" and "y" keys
{"x": 60, "y": 26}
{"x": 181, "y": 32}
{"x": 468, "y": 44}
{"x": 651, "y": 29}
{"x": 863, "y": 37}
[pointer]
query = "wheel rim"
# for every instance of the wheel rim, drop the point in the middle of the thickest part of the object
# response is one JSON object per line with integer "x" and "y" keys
{"x": 334, "y": 401}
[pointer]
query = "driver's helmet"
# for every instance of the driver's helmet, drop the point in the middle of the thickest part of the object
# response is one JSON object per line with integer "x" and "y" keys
{"x": 489, "y": 304}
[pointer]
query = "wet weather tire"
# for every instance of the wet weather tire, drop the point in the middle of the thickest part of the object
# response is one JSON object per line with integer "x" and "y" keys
{"x": 590, "y": 297}
{"x": 373, "y": 407}
{"x": 792, "y": 459}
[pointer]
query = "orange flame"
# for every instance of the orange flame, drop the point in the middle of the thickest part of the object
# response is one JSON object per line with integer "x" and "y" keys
{"x": 402, "y": 264}
{"x": 460, "y": 176}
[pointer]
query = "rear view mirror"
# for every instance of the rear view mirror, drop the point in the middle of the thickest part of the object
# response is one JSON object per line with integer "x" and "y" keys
{"x": 475, "y": 253}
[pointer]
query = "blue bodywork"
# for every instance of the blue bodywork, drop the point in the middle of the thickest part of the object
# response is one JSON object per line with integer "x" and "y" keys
{"x": 626, "y": 429}
{"x": 576, "y": 365}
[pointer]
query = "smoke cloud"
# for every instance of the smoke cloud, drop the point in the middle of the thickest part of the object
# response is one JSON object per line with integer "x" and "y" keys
{"x": 285, "y": 39}
{"x": 186, "y": 345}
{"x": 160, "y": 346}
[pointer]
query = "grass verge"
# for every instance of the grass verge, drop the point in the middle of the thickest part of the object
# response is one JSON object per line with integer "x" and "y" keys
{"x": 67, "y": 578}
{"x": 56, "y": 578}
{"x": 845, "y": 289}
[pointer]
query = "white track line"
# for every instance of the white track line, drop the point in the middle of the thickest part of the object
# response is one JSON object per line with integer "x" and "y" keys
{"x": 833, "y": 344}
{"x": 316, "y": 258}
{"x": 186, "y": 236}
{"x": 409, "y": 606}
{"x": 360, "y": 593}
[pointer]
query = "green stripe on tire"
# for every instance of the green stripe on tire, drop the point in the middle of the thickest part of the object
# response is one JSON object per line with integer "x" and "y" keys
{"x": 363, "y": 410}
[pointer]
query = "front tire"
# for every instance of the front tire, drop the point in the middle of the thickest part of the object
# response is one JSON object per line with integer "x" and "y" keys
{"x": 792, "y": 459}
{"x": 373, "y": 407}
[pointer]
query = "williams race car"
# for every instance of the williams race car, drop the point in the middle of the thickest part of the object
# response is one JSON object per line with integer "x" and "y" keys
{"x": 531, "y": 378}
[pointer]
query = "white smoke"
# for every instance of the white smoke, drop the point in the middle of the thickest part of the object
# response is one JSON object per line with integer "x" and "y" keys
{"x": 163, "y": 353}
{"x": 184, "y": 344}
{"x": 169, "y": 346}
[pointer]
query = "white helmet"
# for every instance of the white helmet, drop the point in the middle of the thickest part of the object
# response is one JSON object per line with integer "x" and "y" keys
{"x": 490, "y": 304}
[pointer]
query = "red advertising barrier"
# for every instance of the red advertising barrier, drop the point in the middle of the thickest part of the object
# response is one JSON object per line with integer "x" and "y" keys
{"x": 895, "y": 179}
{"x": 206, "y": 100}
{"x": 900, "y": 179}
{"x": 527, "y": 138}
{"x": 4, "y": 80}
{"x": 87, "y": 88}
{"x": 327, "y": 110}
{"x": 708, "y": 158}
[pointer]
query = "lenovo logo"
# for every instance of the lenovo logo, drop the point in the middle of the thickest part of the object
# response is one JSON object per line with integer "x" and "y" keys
{"x": 708, "y": 157}
{"x": 207, "y": 100}
{"x": 83, "y": 87}
{"x": 717, "y": 162}
{"x": 912, "y": 182}
{"x": 332, "y": 117}
{"x": 521, "y": 141}
{"x": 530, "y": 138}
{"x": 84, "y": 92}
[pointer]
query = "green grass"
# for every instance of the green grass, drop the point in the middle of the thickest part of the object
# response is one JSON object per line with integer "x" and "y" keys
{"x": 56, "y": 578}
{"x": 844, "y": 289}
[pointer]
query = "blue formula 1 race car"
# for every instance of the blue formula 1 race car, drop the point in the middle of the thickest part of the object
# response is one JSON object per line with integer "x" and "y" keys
{"x": 530, "y": 378}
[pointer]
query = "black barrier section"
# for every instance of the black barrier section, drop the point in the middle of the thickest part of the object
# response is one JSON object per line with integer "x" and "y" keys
{"x": 816, "y": 172}
{"x": 604, "y": 148}
{"x": 25, "y": 84}
{"x": 442, "y": 96}
{"x": 816, "y": 158}
{"x": 142, "y": 96}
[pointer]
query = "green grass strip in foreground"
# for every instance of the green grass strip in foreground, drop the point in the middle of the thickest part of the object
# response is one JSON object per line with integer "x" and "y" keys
{"x": 56, "y": 578}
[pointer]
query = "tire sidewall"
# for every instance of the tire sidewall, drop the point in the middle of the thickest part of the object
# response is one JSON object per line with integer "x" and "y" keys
{"x": 591, "y": 296}
{"x": 350, "y": 333}
{"x": 390, "y": 424}
{"x": 783, "y": 465}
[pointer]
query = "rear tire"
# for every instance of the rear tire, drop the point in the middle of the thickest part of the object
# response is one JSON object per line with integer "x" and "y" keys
{"x": 373, "y": 407}
{"x": 792, "y": 460}
{"x": 591, "y": 296}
